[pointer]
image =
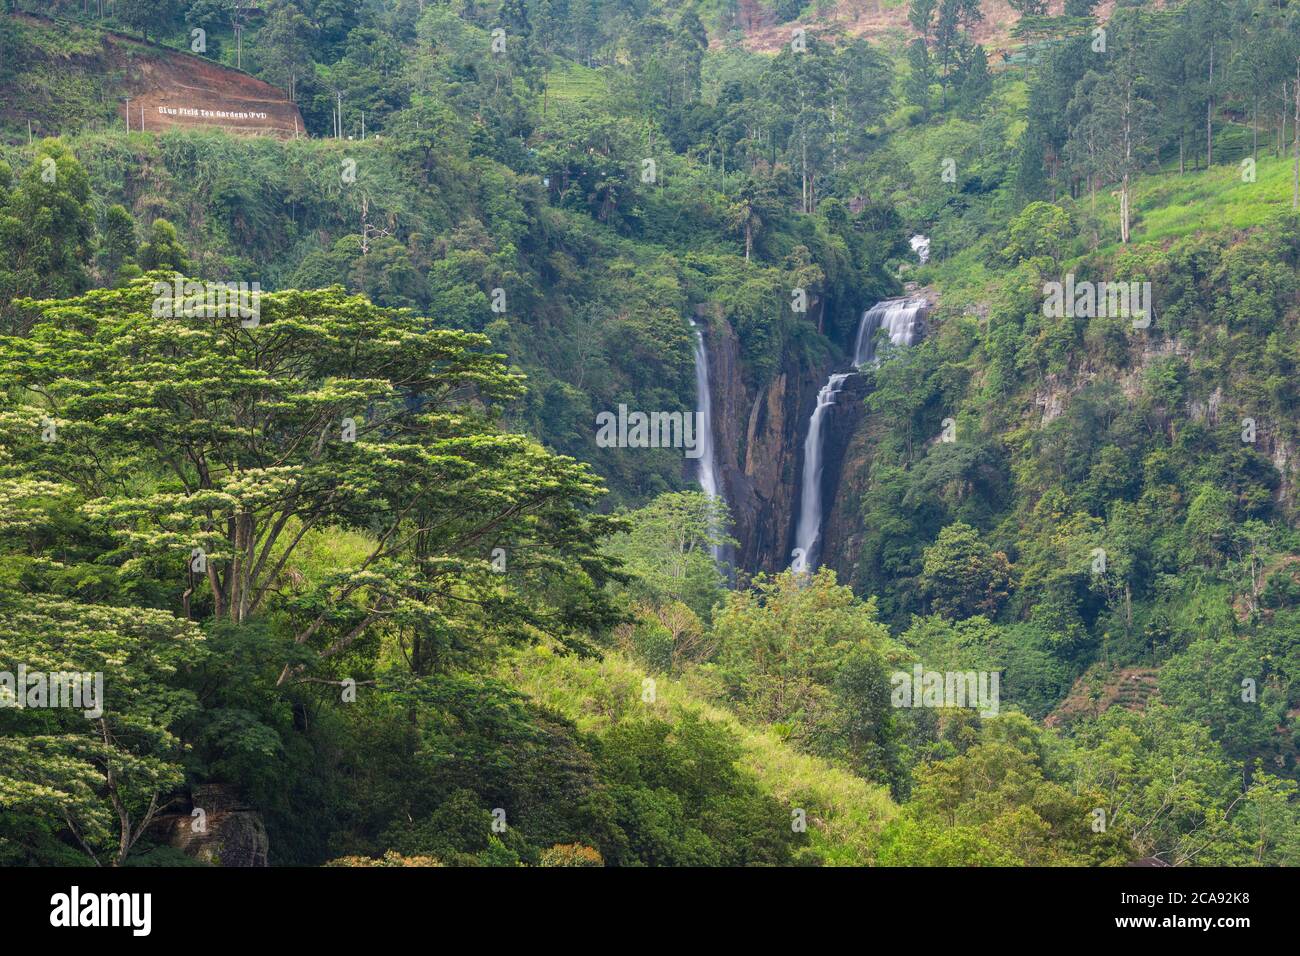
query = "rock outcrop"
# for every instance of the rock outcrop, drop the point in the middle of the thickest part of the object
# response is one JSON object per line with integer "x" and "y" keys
{"x": 759, "y": 434}
{"x": 219, "y": 829}
{"x": 845, "y": 479}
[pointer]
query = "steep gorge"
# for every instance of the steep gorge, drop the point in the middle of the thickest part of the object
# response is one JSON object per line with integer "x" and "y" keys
{"x": 761, "y": 438}
{"x": 757, "y": 434}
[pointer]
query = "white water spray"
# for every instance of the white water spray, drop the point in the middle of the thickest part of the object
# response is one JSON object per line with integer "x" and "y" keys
{"x": 905, "y": 321}
{"x": 921, "y": 246}
{"x": 710, "y": 476}
{"x": 808, "y": 531}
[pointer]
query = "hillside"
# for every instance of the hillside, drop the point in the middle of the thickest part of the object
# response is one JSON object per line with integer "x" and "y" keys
{"x": 845, "y": 814}
{"x": 880, "y": 21}
{"x": 593, "y": 434}
{"x": 60, "y": 73}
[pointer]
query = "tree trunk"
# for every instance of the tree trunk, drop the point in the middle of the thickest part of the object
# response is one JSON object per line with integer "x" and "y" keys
{"x": 1123, "y": 211}
{"x": 1282, "y": 129}
{"x": 1295, "y": 143}
{"x": 1209, "y": 114}
{"x": 1128, "y": 163}
{"x": 803, "y": 162}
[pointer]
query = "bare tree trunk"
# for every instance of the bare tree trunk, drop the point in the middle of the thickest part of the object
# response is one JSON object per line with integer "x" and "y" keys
{"x": 803, "y": 152}
{"x": 1295, "y": 143}
{"x": 1128, "y": 159}
{"x": 1282, "y": 130}
{"x": 1209, "y": 114}
{"x": 1123, "y": 211}
{"x": 835, "y": 155}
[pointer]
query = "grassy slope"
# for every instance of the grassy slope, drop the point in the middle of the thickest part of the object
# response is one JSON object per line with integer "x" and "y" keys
{"x": 1170, "y": 206}
{"x": 1166, "y": 206}
{"x": 845, "y": 812}
{"x": 575, "y": 83}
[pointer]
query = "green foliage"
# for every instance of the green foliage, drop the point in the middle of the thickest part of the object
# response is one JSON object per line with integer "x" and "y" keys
{"x": 96, "y": 774}
{"x": 804, "y": 653}
{"x": 994, "y": 805}
{"x": 1162, "y": 782}
{"x": 668, "y": 547}
{"x": 1040, "y": 229}
{"x": 348, "y": 650}
{"x": 844, "y": 813}
{"x": 360, "y": 411}
{"x": 681, "y": 801}
{"x": 118, "y": 251}
{"x": 46, "y": 228}
{"x": 962, "y": 575}
{"x": 162, "y": 251}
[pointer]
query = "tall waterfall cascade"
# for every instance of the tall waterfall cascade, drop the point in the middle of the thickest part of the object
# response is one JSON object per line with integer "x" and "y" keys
{"x": 808, "y": 531}
{"x": 710, "y": 476}
{"x": 904, "y": 320}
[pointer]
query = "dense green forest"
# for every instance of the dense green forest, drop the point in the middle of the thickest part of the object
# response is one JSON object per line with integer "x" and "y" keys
{"x": 358, "y": 559}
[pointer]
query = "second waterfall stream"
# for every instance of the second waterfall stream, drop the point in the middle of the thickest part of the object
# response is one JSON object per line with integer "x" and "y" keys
{"x": 710, "y": 475}
{"x": 904, "y": 319}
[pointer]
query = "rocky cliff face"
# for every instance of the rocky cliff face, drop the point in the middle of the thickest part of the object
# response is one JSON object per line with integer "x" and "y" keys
{"x": 220, "y": 829}
{"x": 759, "y": 435}
{"x": 844, "y": 481}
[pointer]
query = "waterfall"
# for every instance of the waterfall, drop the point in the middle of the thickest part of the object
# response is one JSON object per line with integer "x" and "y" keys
{"x": 904, "y": 319}
{"x": 921, "y": 246}
{"x": 710, "y": 476}
{"x": 808, "y": 530}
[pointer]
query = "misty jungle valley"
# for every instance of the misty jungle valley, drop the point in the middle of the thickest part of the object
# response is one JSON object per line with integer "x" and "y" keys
{"x": 649, "y": 433}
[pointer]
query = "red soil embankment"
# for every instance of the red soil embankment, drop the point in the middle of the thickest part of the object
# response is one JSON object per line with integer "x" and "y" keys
{"x": 174, "y": 89}
{"x": 877, "y": 19}
{"x": 164, "y": 87}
